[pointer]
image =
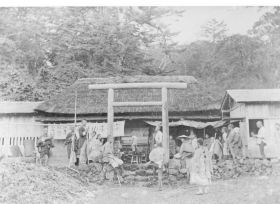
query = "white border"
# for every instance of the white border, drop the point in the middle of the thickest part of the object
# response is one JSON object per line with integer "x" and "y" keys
{"x": 57, "y": 3}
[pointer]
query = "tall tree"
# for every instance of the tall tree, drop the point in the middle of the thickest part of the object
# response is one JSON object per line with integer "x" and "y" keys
{"x": 214, "y": 30}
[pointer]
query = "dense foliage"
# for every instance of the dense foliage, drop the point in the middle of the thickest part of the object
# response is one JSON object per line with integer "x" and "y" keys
{"x": 43, "y": 50}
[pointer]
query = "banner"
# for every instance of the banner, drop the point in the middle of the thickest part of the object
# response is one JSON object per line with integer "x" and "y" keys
{"x": 59, "y": 131}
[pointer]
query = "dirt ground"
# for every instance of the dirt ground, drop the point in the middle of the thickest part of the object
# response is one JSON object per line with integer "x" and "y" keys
{"x": 23, "y": 182}
{"x": 249, "y": 190}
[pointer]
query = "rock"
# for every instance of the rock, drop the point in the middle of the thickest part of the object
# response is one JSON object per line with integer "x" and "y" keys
{"x": 110, "y": 175}
{"x": 131, "y": 167}
{"x": 180, "y": 176}
{"x": 128, "y": 173}
{"x": 149, "y": 172}
{"x": 173, "y": 171}
{"x": 174, "y": 164}
{"x": 183, "y": 171}
{"x": 141, "y": 172}
{"x": 130, "y": 177}
{"x": 172, "y": 178}
{"x": 141, "y": 178}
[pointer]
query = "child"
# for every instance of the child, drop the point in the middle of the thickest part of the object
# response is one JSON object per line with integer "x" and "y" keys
{"x": 201, "y": 168}
{"x": 44, "y": 145}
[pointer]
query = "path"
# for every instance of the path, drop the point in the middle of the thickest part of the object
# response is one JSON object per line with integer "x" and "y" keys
{"x": 249, "y": 190}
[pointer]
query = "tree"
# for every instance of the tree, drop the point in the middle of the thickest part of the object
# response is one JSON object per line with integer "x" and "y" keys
{"x": 56, "y": 46}
{"x": 214, "y": 30}
{"x": 267, "y": 29}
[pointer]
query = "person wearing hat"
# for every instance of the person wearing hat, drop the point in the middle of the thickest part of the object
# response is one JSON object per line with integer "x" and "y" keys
{"x": 186, "y": 153}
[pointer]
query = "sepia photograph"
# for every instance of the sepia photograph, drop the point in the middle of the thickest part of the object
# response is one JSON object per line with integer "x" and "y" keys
{"x": 139, "y": 104}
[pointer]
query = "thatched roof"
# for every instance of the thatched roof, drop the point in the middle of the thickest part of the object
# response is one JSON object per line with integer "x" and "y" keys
{"x": 95, "y": 101}
{"x": 21, "y": 107}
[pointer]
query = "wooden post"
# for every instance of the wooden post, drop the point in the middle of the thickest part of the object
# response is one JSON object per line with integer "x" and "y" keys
{"x": 110, "y": 114}
{"x": 75, "y": 114}
{"x": 203, "y": 133}
{"x": 165, "y": 123}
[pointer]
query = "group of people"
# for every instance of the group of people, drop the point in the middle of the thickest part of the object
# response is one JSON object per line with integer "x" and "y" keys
{"x": 195, "y": 154}
{"x": 84, "y": 147}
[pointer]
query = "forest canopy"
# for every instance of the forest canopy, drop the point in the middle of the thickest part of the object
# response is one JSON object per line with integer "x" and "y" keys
{"x": 44, "y": 50}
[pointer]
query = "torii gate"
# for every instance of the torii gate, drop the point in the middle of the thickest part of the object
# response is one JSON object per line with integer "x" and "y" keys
{"x": 163, "y": 103}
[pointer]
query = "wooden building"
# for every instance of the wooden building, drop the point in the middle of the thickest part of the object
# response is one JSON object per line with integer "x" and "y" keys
{"x": 191, "y": 103}
{"x": 249, "y": 106}
{"x": 18, "y": 123}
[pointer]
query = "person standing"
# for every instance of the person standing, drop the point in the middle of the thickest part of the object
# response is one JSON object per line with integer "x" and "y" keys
{"x": 158, "y": 136}
{"x": 201, "y": 168}
{"x": 186, "y": 151}
{"x": 172, "y": 146}
{"x": 134, "y": 144}
{"x": 234, "y": 142}
{"x": 44, "y": 145}
{"x": 260, "y": 138}
{"x": 225, "y": 144}
{"x": 193, "y": 137}
{"x": 216, "y": 150}
{"x": 81, "y": 151}
{"x": 68, "y": 141}
{"x": 185, "y": 154}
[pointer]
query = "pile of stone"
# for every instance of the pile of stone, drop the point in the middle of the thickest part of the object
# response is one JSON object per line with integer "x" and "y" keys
{"x": 22, "y": 182}
{"x": 135, "y": 174}
{"x": 248, "y": 167}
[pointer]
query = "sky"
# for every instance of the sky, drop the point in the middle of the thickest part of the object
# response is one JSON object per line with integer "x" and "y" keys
{"x": 238, "y": 19}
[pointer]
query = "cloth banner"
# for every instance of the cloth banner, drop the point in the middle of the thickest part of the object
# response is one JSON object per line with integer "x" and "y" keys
{"x": 190, "y": 123}
{"x": 59, "y": 131}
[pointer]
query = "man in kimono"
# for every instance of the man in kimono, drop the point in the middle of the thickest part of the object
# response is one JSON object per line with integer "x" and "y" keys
{"x": 234, "y": 142}
{"x": 68, "y": 141}
{"x": 44, "y": 145}
{"x": 261, "y": 138}
{"x": 81, "y": 151}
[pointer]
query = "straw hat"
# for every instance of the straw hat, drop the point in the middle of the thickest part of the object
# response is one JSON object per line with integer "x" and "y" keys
{"x": 185, "y": 137}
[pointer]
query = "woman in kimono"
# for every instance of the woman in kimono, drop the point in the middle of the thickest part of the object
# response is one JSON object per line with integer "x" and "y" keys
{"x": 216, "y": 149}
{"x": 201, "y": 168}
{"x": 225, "y": 143}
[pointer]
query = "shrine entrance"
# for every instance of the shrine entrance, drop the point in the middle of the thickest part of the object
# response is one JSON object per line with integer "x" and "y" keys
{"x": 162, "y": 86}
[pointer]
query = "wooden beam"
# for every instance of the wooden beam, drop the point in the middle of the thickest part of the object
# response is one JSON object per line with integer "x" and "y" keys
{"x": 148, "y": 103}
{"x": 110, "y": 114}
{"x": 165, "y": 123}
{"x": 157, "y": 85}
